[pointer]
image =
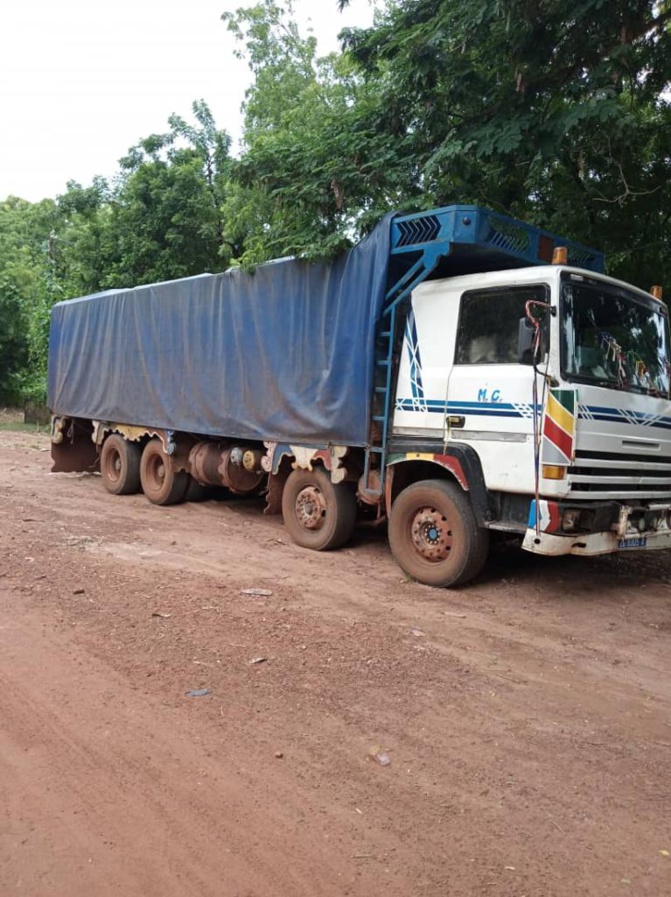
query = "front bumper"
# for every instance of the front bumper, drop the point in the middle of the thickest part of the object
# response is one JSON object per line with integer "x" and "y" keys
{"x": 614, "y": 528}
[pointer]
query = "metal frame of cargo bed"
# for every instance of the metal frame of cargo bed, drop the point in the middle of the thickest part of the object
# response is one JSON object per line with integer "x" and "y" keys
{"x": 447, "y": 242}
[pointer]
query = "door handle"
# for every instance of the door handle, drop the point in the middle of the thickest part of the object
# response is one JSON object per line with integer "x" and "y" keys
{"x": 455, "y": 420}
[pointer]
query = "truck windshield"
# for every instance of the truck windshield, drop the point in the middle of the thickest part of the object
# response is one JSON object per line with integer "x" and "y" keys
{"x": 613, "y": 337}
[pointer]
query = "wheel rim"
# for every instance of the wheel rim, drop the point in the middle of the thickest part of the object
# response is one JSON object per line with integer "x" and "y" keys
{"x": 310, "y": 508}
{"x": 157, "y": 471}
{"x": 431, "y": 534}
{"x": 113, "y": 466}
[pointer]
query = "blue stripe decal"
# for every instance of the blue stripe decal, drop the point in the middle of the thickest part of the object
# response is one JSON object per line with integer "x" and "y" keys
{"x": 521, "y": 410}
{"x": 622, "y": 416}
{"x": 415, "y": 360}
{"x": 493, "y": 409}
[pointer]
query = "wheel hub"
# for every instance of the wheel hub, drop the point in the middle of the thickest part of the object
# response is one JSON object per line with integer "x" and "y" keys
{"x": 310, "y": 508}
{"x": 431, "y": 534}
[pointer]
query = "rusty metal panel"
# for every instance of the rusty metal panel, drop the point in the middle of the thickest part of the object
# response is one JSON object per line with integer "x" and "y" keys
{"x": 72, "y": 447}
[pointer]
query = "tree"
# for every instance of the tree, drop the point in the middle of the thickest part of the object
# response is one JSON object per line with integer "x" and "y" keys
{"x": 82, "y": 249}
{"x": 165, "y": 214}
{"x": 161, "y": 218}
{"x": 318, "y": 168}
{"x": 556, "y": 112}
{"x": 26, "y": 289}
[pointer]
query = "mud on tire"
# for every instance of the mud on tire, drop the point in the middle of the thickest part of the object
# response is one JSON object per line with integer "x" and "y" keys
{"x": 120, "y": 465}
{"x": 160, "y": 483}
{"x": 434, "y": 535}
{"x": 317, "y": 513}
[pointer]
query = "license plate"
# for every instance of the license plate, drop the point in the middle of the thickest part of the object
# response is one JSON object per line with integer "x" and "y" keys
{"x": 639, "y": 542}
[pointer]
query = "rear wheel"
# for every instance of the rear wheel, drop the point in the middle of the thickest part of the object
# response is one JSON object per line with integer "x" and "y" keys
{"x": 195, "y": 491}
{"x": 160, "y": 483}
{"x": 318, "y": 514}
{"x": 120, "y": 465}
{"x": 435, "y": 536}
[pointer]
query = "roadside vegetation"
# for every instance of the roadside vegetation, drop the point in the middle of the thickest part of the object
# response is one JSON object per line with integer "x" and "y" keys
{"x": 13, "y": 420}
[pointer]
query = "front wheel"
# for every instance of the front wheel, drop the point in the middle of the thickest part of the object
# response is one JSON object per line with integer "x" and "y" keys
{"x": 160, "y": 483}
{"x": 434, "y": 535}
{"x": 317, "y": 513}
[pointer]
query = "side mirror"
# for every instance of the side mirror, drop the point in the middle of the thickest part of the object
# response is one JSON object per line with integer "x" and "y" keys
{"x": 525, "y": 343}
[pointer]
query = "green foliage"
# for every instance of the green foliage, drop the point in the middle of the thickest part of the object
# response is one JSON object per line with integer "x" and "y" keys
{"x": 555, "y": 112}
{"x": 13, "y": 349}
{"x": 15, "y": 426}
{"x": 318, "y": 169}
{"x": 160, "y": 219}
{"x": 26, "y": 251}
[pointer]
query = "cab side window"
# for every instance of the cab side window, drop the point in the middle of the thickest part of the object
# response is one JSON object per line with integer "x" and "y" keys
{"x": 489, "y": 323}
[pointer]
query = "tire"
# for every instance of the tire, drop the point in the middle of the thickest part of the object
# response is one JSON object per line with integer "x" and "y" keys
{"x": 160, "y": 483}
{"x": 317, "y": 513}
{"x": 195, "y": 491}
{"x": 120, "y": 465}
{"x": 434, "y": 535}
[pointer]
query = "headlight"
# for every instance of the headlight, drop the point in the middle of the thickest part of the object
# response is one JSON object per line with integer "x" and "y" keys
{"x": 570, "y": 519}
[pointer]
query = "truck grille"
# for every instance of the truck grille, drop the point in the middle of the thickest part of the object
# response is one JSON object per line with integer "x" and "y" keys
{"x": 614, "y": 475}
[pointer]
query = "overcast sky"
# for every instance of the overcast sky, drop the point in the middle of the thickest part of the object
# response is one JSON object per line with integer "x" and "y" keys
{"x": 81, "y": 81}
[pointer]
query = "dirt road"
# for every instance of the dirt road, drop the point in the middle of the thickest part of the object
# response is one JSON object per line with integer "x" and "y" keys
{"x": 526, "y": 717}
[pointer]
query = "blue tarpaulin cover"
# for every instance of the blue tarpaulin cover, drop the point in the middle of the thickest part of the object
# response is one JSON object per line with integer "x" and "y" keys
{"x": 284, "y": 353}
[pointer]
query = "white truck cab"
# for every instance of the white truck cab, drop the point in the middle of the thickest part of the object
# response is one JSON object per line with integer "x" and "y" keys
{"x": 579, "y": 442}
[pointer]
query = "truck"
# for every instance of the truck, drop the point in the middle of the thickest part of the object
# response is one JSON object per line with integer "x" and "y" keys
{"x": 458, "y": 375}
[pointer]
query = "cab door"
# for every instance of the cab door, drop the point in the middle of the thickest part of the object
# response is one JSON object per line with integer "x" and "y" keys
{"x": 490, "y": 394}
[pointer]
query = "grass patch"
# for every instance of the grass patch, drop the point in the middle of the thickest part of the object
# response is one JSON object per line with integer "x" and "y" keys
{"x": 18, "y": 426}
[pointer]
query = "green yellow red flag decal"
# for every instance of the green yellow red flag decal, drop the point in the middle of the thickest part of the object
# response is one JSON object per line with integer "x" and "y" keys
{"x": 559, "y": 426}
